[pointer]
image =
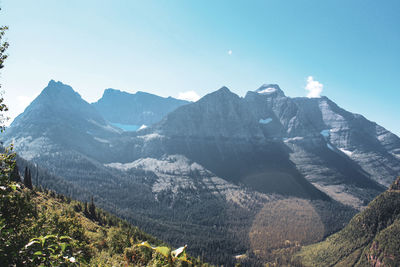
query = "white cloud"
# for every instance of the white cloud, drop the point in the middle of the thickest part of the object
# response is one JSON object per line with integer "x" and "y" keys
{"x": 313, "y": 87}
{"x": 229, "y": 52}
{"x": 189, "y": 95}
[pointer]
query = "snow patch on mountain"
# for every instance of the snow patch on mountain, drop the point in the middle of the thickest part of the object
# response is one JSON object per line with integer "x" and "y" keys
{"x": 142, "y": 127}
{"x": 151, "y": 136}
{"x": 269, "y": 90}
{"x": 292, "y": 139}
{"x": 347, "y": 152}
{"x": 101, "y": 140}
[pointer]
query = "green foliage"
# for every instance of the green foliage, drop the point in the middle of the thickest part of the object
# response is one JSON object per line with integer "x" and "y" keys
{"x": 118, "y": 240}
{"x": 162, "y": 255}
{"x": 57, "y": 233}
{"x": 371, "y": 238}
{"x": 16, "y": 212}
{"x": 3, "y": 56}
{"x": 52, "y": 250}
{"x": 19, "y": 221}
{"x": 3, "y": 46}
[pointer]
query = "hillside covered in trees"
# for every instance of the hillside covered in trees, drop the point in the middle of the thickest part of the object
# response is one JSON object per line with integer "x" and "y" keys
{"x": 372, "y": 238}
{"x": 40, "y": 227}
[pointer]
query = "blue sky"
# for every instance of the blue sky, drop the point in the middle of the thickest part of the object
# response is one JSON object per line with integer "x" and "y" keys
{"x": 352, "y": 48}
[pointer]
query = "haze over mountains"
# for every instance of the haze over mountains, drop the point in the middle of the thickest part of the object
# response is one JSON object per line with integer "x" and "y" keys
{"x": 209, "y": 172}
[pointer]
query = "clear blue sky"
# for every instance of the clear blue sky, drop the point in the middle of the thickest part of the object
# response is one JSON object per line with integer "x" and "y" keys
{"x": 170, "y": 47}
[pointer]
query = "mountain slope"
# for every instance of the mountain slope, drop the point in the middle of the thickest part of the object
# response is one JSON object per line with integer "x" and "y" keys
{"x": 58, "y": 120}
{"x": 222, "y": 134}
{"x": 267, "y": 137}
{"x": 372, "y": 238}
{"x": 135, "y": 109}
{"x": 40, "y": 227}
{"x": 217, "y": 173}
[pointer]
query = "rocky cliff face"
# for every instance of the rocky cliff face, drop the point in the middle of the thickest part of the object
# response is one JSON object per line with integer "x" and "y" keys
{"x": 267, "y": 137}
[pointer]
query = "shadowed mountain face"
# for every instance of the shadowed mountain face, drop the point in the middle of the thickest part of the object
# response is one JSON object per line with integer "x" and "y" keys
{"x": 213, "y": 166}
{"x": 268, "y": 139}
{"x": 135, "y": 109}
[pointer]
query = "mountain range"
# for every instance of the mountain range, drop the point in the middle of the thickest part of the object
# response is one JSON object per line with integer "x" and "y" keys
{"x": 222, "y": 173}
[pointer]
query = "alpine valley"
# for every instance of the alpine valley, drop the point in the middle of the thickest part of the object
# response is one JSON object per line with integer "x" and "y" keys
{"x": 234, "y": 178}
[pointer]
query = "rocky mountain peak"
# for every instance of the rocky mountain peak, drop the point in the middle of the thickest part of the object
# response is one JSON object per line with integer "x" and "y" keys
{"x": 223, "y": 94}
{"x": 111, "y": 91}
{"x": 223, "y": 91}
{"x": 57, "y": 101}
{"x": 59, "y": 89}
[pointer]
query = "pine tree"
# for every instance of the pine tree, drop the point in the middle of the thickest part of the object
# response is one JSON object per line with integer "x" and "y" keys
{"x": 37, "y": 176}
{"x": 14, "y": 176}
{"x": 85, "y": 211}
{"x": 92, "y": 209}
{"x": 25, "y": 175}
{"x": 28, "y": 178}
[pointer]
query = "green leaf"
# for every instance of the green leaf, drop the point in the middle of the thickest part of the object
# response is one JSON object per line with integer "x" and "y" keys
{"x": 165, "y": 251}
{"x": 145, "y": 244}
{"x": 50, "y": 236}
{"x": 63, "y": 246}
